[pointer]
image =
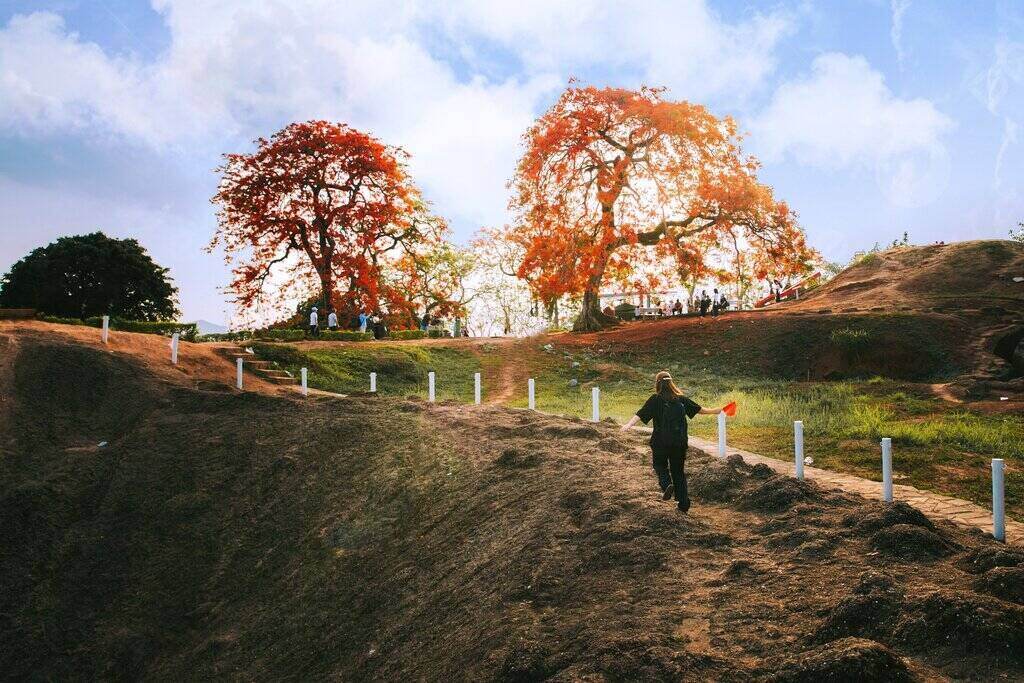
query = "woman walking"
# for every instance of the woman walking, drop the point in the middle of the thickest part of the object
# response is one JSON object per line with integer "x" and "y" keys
{"x": 669, "y": 409}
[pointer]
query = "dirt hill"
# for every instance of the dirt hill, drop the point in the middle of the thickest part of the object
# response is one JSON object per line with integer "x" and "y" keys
{"x": 265, "y": 536}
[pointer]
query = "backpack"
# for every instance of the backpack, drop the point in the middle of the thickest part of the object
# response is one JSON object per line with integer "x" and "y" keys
{"x": 672, "y": 425}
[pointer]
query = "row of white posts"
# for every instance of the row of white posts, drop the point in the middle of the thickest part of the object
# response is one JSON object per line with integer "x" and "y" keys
{"x": 998, "y": 485}
{"x": 998, "y": 476}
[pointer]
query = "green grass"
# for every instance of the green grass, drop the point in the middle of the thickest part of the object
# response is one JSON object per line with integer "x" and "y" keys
{"x": 401, "y": 369}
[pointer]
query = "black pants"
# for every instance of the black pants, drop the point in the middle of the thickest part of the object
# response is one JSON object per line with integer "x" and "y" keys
{"x": 669, "y": 461}
{"x": 314, "y": 330}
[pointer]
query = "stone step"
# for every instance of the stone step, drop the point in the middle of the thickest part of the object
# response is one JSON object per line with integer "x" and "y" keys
{"x": 280, "y": 380}
{"x": 264, "y": 372}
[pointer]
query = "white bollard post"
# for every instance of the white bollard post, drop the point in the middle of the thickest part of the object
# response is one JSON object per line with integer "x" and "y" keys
{"x": 798, "y": 441}
{"x": 476, "y": 388}
{"x": 887, "y": 470}
{"x": 721, "y": 435}
{"x": 595, "y": 400}
{"x": 305, "y": 387}
{"x": 238, "y": 373}
{"x": 430, "y": 388}
{"x": 373, "y": 382}
{"x": 998, "y": 501}
{"x": 106, "y": 328}
{"x": 174, "y": 348}
{"x": 533, "y": 398}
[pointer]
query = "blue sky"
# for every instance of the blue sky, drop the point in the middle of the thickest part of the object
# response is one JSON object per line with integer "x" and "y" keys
{"x": 871, "y": 117}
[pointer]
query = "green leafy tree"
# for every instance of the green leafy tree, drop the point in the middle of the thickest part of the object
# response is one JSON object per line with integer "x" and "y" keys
{"x": 1017, "y": 234}
{"x": 88, "y": 275}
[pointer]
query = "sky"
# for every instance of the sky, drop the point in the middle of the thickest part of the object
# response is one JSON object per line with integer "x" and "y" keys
{"x": 871, "y": 117}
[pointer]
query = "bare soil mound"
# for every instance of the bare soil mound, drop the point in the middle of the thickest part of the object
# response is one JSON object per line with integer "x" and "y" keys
{"x": 220, "y": 534}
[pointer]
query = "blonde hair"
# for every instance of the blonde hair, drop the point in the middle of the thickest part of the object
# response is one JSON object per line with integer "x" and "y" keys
{"x": 665, "y": 387}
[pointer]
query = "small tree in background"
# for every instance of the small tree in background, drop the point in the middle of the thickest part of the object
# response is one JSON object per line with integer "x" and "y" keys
{"x": 89, "y": 275}
{"x": 1017, "y": 234}
{"x": 432, "y": 281}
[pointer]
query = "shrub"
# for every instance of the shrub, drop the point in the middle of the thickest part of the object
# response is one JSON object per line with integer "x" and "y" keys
{"x": 281, "y": 335}
{"x": 437, "y": 334}
{"x": 408, "y": 334}
{"x": 346, "y": 335}
{"x": 852, "y": 341}
{"x": 241, "y": 335}
{"x": 59, "y": 321}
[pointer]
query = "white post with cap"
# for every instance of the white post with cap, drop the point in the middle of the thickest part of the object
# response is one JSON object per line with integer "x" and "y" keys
{"x": 305, "y": 387}
{"x": 106, "y": 328}
{"x": 174, "y": 348}
{"x": 373, "y": 382}
{"x": 531, "y": 387}
{"x": 595, "y": 401}
{"x": 887, "y": 470}
{"x": 721, "y": 435}
{"x": 430, "y": 386}
{"x": 476, "y": 388}
{"x": 798, "y": 447}
{"x": 238, "y": 373}
{"x": 998, "y": 501}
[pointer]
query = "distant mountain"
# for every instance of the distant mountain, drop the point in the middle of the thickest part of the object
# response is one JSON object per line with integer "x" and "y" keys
{"x": 206, "y": 327}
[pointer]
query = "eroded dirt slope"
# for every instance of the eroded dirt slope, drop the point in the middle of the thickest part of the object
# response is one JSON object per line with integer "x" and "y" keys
{"x": 249, "y": 535}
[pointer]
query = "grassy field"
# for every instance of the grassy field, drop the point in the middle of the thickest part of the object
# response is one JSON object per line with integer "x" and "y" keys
{"x": 937, "y": 446}
{"x": 401, "y": 368}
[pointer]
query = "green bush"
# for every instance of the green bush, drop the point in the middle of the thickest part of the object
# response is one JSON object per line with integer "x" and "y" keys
{"x": 625, "y": 311}
{"x": 241, "y": 335}
{"x": 346, "y": 335}
{"x": 281, "y": 335}
{"x": 59, "y": 321}
{"x": 852, "y": 341}
{"x": 407, "y": 334}
{"x": 437, "y": 334}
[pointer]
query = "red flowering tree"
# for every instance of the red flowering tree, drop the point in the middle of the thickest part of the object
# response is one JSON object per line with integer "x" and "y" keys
{"x": 613, "y": 179}
{"x": 319, "y": 202}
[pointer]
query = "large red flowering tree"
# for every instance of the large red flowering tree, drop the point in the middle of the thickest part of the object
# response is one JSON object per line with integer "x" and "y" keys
{"x": 325, "y": 203}
{"x": 612, "y": 179}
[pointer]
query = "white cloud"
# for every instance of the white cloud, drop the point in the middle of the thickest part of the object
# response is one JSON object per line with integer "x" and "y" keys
{"x": 899, "y": 8}
{"x": 683, "y": 45}
{"x": 844, "y": 115}
{"x": 1002, "y": 91}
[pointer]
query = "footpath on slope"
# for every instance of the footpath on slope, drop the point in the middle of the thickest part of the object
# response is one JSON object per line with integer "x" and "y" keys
{"x": 933, "y": 505}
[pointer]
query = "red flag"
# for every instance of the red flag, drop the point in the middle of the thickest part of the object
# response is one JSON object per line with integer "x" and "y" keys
{"x": 730, "y": 409}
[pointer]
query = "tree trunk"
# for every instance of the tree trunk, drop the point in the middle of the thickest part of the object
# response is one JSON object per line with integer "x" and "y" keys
{"x": 326, "y": 289}
{"x": 592, "y": 318}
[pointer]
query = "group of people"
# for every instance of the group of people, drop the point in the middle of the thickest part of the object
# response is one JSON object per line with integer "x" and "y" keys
{"x": 716, "y": 303}
{"x": 374, "y": 322}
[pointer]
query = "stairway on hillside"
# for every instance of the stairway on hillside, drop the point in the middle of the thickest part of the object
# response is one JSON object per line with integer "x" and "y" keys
{"x": 263, "y": 369}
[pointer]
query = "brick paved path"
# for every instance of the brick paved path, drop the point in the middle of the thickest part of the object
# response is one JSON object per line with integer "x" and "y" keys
{"x": 933, "y": 505}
